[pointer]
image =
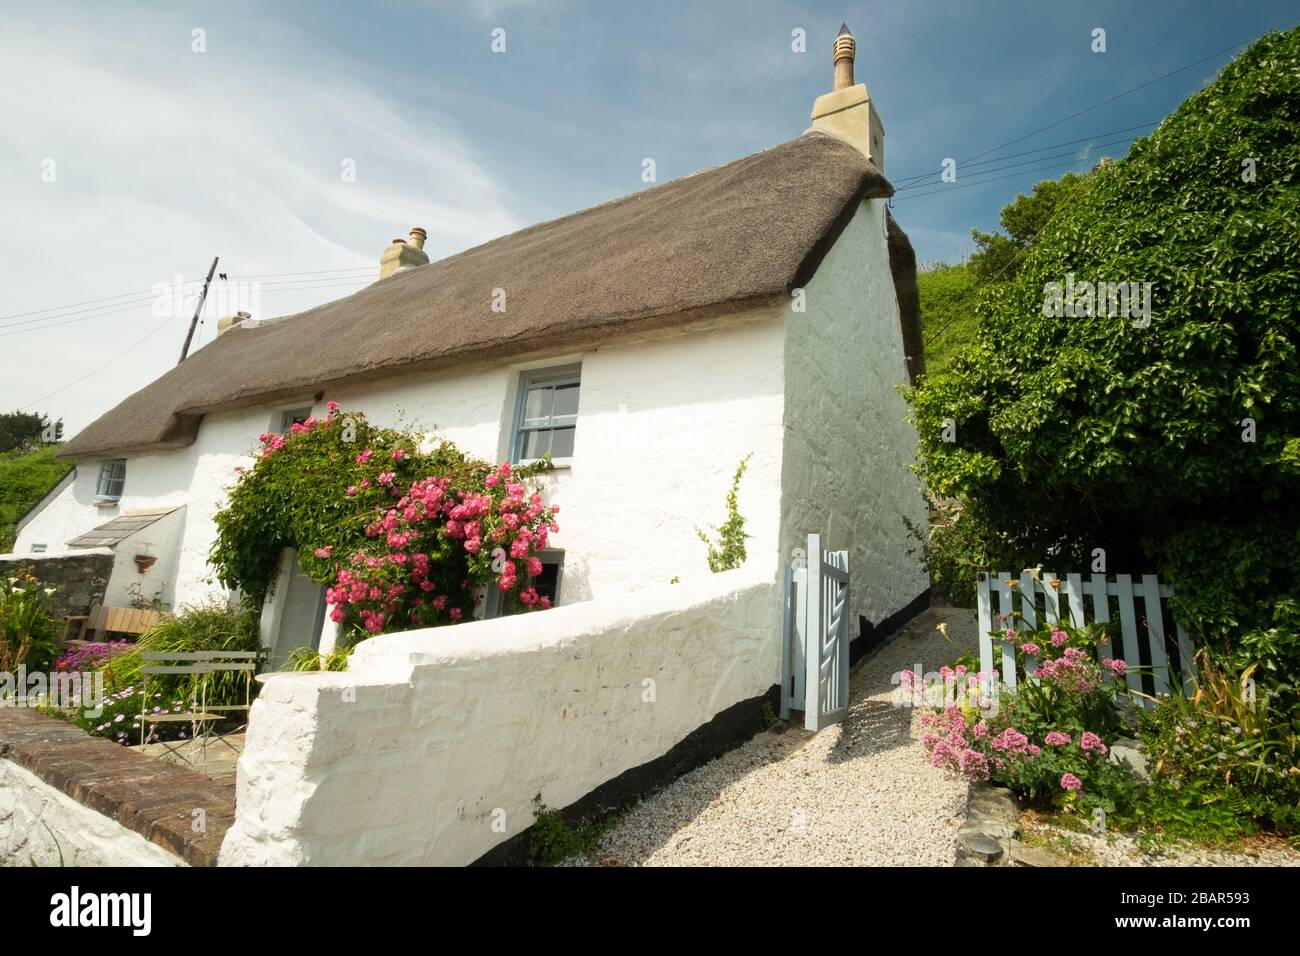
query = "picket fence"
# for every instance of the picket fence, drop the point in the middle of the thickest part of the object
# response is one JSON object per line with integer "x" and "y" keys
{"x": 1088, "y": 599}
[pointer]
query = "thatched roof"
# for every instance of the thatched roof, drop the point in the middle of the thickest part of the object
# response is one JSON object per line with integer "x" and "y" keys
{"x": 718, "y": 241}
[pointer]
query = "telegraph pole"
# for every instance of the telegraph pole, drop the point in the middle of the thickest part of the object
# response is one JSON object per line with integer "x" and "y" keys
{"x": 194, "y": 322}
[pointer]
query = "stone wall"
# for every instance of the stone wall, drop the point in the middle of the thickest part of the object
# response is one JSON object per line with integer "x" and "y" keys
{"x": 81, "y": 576}
{"x": 65, "y": 794}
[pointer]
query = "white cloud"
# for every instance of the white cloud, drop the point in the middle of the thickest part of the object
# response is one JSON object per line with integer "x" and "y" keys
{"x": 165, "y": 157}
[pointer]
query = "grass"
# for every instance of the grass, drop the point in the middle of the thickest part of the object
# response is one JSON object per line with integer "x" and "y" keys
{"x": 948, "y": 321}
{"x": 24, "y": 478}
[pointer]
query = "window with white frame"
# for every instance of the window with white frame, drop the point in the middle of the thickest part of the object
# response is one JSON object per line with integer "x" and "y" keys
{"x": 293, "y": 416}
{"x": 546, "y": 414}
{"x": 112, "y": 477}
{"x": 547, "y": 585}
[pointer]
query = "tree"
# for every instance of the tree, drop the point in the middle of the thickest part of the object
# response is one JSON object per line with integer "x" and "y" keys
{"x": 999, "y": 257}
{"x": 1167, "y": 436}
{"x": 19, "y": 429}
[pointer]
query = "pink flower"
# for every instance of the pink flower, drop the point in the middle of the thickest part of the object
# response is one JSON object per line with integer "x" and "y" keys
{"x": 1090, "y": 741}
{"x": 1056, "y": 739}
{"x": 1029, "y": 648}
{"x": 1115, "y": 665}
{"x": 1010, "y": 634}
{"x": 324, "y": 552}
{"x": 1059, "y": 637}
{"x": 352, "y": 490}
{"x": 455, "y": 614}
{"x": 397, "y": 454}
{"x": 332, "y": 406}
{"x": 386, "y": 477}
{"x": 365, "y": 456}
{"x": 1070, "y": 782}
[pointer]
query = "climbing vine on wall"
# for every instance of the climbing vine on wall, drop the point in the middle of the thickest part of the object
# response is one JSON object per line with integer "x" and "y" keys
{"x": 402, "y": 529}
{"x": 728, "y": 552}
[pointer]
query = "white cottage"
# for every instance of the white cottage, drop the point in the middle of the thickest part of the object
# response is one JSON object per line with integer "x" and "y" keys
{"x": 763, "y": 308}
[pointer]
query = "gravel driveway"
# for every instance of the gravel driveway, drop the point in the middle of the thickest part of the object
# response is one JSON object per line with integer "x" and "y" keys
{"x": 860, "y": 793}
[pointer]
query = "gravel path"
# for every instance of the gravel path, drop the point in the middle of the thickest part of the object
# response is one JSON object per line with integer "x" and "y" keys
{"x": 860, "y": 793}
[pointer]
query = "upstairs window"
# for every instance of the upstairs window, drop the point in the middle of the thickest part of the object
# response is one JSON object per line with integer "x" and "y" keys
{"x": 112, "y": 477}
{"x": 546, "y": 416}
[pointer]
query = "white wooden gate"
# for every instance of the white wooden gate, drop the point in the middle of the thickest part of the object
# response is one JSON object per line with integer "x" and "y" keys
{"x": 1029, "y": 597}
{"x": 815, "y": 645}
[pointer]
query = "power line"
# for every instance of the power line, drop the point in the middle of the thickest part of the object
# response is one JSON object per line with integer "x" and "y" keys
{"x": 1072, "y": 142}
{"x": 42, "y": 401}
{"x": 1117, "y": 96}
{"x": 946, "y": 187}
{"x": 984, "y": 182}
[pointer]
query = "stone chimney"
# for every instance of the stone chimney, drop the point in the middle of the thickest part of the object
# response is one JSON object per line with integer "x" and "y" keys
{"x": 230, "y": 321}
{"x": 848, "y": 112}
{"x": 404, "y": 254}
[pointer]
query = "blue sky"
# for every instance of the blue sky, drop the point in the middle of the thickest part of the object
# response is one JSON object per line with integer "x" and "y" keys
{"x": 162, "y": 157}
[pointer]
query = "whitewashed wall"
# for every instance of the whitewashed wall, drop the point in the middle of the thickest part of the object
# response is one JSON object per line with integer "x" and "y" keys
{"x": 662, "y": 424}
{"x": 848, "y": 447}
{"x": 161, "y": 540}
{"x": 28, "y": 805}
{"x": 432, "y": 736}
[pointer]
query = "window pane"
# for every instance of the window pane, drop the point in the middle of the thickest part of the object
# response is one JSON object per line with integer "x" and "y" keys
{"x": 566, "y": 400}
{"x": 537, "y": 404}
{"x": 562, "y": 442}
{"x": 535, "y": 444}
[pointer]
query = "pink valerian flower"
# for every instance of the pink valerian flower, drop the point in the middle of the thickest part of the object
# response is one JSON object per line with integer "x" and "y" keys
{"x": 1070, "y": 782}
{"x": 1074, "y": 654}
{"x": 1059, "y": 637}
{"x": 1115, "y": 665}
{"x": 1056, "y": 739}
{"x": 1089, "y": 741}
{"x": 324, "y": 552}
{"x": 1009, "y": 634}
{"x": 1029, "y": 648}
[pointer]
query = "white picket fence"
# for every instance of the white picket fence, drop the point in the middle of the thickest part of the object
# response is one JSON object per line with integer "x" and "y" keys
{"x": 1087, "y": 599}
{"x": 816, "y": 636}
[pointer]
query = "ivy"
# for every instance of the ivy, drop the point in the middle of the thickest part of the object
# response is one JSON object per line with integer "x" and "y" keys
{"x": 728, "y": 552}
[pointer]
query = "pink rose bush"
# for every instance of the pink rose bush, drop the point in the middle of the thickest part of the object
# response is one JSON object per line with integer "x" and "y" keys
{"x": 402, "y": 537}
{"x": 1047, "y": 740}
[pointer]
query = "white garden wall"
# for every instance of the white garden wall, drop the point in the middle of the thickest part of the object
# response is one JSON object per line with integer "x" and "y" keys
{"x": 32, "y": 811}
{"x": 431, "y": 747}
{"x": 848, "y": 446}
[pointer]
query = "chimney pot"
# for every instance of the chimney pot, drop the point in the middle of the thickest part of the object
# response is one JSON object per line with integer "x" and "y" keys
{"x": 402, "y": 255}
{"x": 845, "y": 50}
{"x": 230, "y": 321}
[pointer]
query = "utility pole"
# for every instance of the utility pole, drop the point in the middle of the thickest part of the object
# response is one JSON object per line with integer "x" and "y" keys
{"x": 194, "y": 322}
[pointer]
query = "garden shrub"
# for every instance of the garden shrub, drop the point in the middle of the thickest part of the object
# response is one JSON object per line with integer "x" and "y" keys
{"x": 30, "y": 623}
{"x": 402, "y": 530}
{"x": 1048, "y": 740}
{"x": 1078, "y": 433}
{"x": 205, "y": 627}
{"x": 1226, "y": 759}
